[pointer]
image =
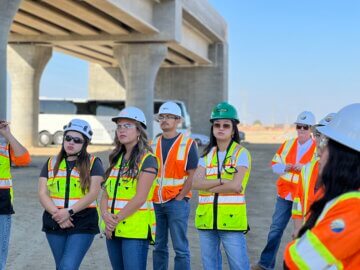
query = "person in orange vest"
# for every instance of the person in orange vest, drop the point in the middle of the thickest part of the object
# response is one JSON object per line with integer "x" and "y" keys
{"x": 288, "y": 161}
{"x": 11, "y": 152}
{"x": 331, "y": 235}
{"x": 69, "y": 185}
{"x": 221, "y": 178}
{"x": 178, "y": 161}
{"x": 309, "y": 188}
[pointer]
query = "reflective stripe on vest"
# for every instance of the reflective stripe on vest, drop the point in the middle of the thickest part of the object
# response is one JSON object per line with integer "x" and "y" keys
{"x": 57, "y": 184}
{"x": 5, "y": 183}
{"x": 120, "y": 204}
{"x": 224, "y": 199}
{"x": 309, "y": 253}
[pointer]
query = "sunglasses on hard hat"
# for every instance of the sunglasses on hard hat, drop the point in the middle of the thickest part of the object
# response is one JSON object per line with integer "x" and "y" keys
{"x": 76, "y": 140}
{"x": 304, "y": 127}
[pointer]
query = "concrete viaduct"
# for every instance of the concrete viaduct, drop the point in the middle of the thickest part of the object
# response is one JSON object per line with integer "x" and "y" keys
{"x": 138, "y": 50}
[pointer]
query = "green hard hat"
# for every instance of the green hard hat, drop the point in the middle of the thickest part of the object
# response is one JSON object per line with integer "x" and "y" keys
{"x": 224, "y": 110}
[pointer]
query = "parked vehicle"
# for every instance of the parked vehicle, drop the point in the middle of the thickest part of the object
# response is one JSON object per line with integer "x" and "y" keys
{"x": 200, "y": 139}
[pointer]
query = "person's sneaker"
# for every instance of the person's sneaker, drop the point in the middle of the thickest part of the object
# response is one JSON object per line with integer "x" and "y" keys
{"x": 256, "y": 267}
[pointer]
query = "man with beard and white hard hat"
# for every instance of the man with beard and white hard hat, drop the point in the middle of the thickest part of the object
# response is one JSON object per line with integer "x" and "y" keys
{"x": 178, "y": 158}
{"x": 288, "y": 161}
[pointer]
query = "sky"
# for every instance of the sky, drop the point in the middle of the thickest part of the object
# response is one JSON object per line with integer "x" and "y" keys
{"x": 285, "y": 56}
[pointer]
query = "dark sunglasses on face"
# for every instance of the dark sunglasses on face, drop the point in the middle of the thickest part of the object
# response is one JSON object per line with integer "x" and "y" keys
{"x": 304, "y": 127}
{"x": 76, "y": 140}
{"x": 224, "y": 126}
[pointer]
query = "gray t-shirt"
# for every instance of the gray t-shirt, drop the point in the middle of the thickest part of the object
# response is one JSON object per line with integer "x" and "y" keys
{"x": 193, "y": 157}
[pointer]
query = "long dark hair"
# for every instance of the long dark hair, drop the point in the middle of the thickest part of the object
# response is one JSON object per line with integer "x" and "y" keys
{"x": 82, "y": 163}
{"x": 341, "y": 174}
{"x": 213, "y": 142}
{"x": 137, "y": 152}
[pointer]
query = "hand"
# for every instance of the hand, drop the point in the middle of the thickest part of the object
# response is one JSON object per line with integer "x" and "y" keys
{"x": 4, "y": 128}
{"x": 61, "y": 215}
{"x": 297, "y": 167}
{"x": 111, "y": 220}
{"x": 108, "y": 234}
{"x": 66, "y": 224}
{"x": 179, "y": 197}
{"x": 288, "y": 167}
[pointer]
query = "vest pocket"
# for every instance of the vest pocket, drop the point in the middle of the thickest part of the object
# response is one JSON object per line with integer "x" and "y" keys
{"x": 204, "y": 218}
{"x": 232, "y": 218}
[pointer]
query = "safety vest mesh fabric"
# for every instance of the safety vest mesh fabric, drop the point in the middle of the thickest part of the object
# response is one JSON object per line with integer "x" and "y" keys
{"x": 305, "y": 194}
{"x": 287, "y": 183}
{"x": 120, "y": 191}
{"x": 5, "y": 174}
{"x": 171, "y": 174}
{"x": 309, "y": 252}
{"x": 231, "y": 207}
{"x": 57, "y": 185}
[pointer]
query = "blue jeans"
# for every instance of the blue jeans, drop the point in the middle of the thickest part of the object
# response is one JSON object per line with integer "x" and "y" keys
{"x": 173, "y": 216}
{"x": 69, "y": 249}
{"x": 128, "y": 254}
{"x": 234, "y": 244}
{"x": 280, "y": 220}
{"x": 5, "y": 226}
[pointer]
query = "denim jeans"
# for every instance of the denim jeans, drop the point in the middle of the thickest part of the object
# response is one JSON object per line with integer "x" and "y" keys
{"x": 280, "y": 219}
{"x": 5, "y": 226}
{"x": 69, "y": 249}
{"x": 234, "y": 244}
{"x": 172, "y": 216}
{"x": 128, "y": 254}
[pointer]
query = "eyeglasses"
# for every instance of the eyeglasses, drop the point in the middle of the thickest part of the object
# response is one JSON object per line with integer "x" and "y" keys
{"x": 317, "y": 134}
{"x": 125, "y": 126}
{"x": 223, "y": 126}
{"x": 166, "y": 117}
{"x": 76, "y": 140}
{"x": 304, "y": 127}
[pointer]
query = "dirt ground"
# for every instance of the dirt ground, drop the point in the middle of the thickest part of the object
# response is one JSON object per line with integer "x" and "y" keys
{"x": 29, "y": 248}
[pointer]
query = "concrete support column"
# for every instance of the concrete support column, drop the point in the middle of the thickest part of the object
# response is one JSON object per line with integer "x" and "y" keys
{"x": 106, "y": 83}
{"x": 8, "y": 8}
{"x": 26, "y": 64}
{"x": 140, "y": 64}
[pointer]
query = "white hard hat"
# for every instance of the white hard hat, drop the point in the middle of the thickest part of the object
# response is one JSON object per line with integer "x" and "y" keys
{"x": 133, "y": 113}
{"x": 326, "y": 120}
{"x": 81, "y": 126}
{"x": 345, "y": 127}
{"x": 306, "y": 118}
{"x": 170, "y": 107}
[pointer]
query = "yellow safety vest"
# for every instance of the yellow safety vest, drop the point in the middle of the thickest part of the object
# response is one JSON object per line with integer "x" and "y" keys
{"x": 65, "y": 189}
{"x": 121, "y": 189}
{"x": 223, "y": 211}
{"x": 5, "y": 174}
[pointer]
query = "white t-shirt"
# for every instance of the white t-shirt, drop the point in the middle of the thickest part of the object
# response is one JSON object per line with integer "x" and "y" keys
{"x": 243, "y": 160}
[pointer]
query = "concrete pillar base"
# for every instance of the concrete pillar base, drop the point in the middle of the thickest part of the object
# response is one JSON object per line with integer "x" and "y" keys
{"x": 26, "y": 64}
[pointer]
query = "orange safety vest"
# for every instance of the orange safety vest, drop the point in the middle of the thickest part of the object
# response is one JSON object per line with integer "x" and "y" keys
{"x": 287, "y": 183}
{"x": 172, "y": 173}
{"x": 333, "y": 243}
{"x": 305, "y": 194}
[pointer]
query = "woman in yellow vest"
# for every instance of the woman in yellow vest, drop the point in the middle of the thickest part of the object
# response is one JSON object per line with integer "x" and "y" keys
{"x": 221, "y": 179}
{"x": 126, "y": 206}
{"x": 68, "y": 188}
{"x": 330, "y": 236}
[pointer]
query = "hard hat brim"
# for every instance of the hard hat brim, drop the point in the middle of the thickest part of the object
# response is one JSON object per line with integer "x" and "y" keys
{"x": 224, "y": 118}
{"x": 339, "y": 137}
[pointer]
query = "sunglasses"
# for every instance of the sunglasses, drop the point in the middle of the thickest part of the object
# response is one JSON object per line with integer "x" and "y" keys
{"x": 76, "y": 140}
{"x": 166, "y": 117}
{"x": 224, "y": 126}
{"x": 304, "y": 127}
{"x": 125, "y": 126}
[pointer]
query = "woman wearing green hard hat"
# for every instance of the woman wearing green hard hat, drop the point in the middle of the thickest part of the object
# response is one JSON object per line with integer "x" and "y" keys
{"x": 221, "y": 179}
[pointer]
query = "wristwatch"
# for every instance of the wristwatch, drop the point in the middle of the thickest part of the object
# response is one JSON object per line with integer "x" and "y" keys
{"x": 71, "y": 212}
